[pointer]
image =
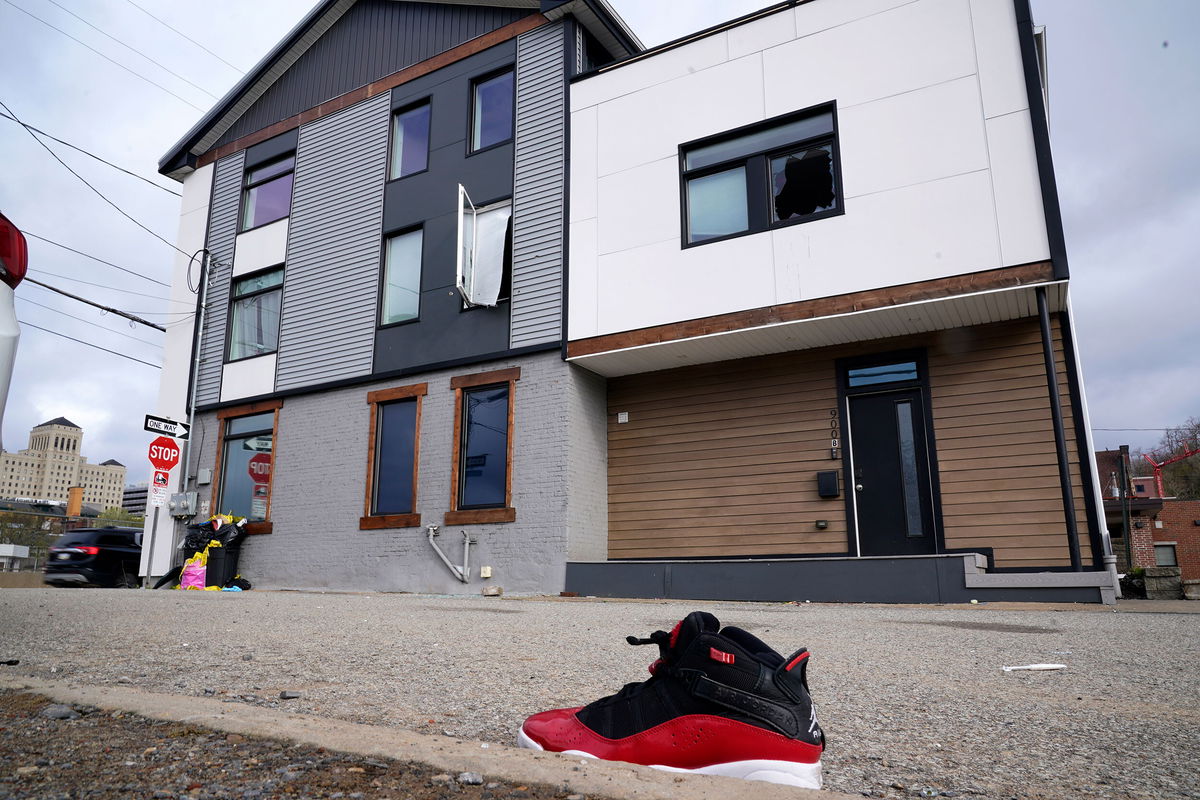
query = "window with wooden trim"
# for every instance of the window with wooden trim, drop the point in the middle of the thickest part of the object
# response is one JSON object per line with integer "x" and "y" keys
{"x": 481, "y": 481}
{"x": 246, "y": 458}
{"x": 392, "y": 459}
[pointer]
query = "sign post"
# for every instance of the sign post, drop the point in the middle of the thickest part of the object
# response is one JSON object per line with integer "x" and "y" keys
{"x": 164, "y": 455}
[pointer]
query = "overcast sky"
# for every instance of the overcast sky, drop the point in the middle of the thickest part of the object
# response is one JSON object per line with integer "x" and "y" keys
{"x": 1125, "y": 111}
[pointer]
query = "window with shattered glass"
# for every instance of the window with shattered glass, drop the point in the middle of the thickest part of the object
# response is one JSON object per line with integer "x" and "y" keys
{"x": 780, "y": 172}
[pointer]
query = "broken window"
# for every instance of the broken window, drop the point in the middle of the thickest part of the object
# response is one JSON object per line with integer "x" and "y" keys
{"x": 484, "y": 250}
{"x": 771, "y": 174}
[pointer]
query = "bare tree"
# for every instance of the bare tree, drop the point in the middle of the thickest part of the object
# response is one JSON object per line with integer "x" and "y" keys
{"x": 1182, "y": 478}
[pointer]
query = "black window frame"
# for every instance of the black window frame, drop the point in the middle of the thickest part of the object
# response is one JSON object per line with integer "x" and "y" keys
{"x": 247, "y": 185}
{"x": 383, "y": 265}
{"x": 476, "y": 82}
{"x": 757, "y": 166}
{"x": 426, "y": 102}
{"x": 235, "y": 299}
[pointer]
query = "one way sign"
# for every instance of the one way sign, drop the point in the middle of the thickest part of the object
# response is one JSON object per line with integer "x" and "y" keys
{"x": 169, "y": 427}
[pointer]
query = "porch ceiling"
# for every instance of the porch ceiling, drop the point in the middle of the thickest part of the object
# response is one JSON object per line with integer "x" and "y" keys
{"x": 904, "y": 319}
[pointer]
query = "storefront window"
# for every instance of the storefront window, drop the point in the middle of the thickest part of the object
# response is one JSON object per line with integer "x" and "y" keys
{"x": 246, "y": 463}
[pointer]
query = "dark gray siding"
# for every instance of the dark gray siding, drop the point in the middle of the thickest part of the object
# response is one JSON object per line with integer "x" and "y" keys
{"x": 327, "y": 327}
{"x": 429, "y": 200}
{"x": 373, "y": 39}
{"x": 539, "y": 187}
{"x": 222, "y": 231}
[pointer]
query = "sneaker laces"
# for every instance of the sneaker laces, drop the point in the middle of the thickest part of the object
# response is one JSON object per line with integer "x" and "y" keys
{"x": 659, "y": 667}
{"x": 664, "y": 642}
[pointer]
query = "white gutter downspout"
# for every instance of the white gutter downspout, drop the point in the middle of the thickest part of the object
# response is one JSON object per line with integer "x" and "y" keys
{"x": 463, "y": 573}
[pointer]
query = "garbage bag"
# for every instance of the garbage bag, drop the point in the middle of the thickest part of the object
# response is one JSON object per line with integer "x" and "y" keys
{"x": 194, "y": 570}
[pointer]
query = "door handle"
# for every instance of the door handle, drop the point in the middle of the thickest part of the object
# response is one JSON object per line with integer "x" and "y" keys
{"x": 858, "y": 487}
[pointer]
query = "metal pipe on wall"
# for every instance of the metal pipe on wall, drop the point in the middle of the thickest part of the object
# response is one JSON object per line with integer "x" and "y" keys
{"x": 1060, "y": 435}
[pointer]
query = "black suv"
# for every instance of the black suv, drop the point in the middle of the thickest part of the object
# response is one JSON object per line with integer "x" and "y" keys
{"x": 96, "y": 556}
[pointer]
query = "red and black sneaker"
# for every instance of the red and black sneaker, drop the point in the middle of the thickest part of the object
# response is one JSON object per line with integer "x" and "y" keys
{"x": 718, "y": 702}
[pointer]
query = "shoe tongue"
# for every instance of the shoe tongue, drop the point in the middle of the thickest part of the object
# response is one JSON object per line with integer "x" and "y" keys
{"x": 690, "y": 627}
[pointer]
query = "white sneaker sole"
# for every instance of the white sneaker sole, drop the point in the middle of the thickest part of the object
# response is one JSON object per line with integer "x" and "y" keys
{"x": 789, "y": 773}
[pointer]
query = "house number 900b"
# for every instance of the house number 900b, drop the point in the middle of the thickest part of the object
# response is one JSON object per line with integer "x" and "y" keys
{"x": 835, "y": 437}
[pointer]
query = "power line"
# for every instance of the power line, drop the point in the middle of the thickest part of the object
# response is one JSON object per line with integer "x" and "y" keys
{"x": 87, "y": 322}
{"x": 133, "y": 49}
{"x": 92, "y": 155}
{"x": 103, "y": 286}
{"x": 89, "y": 344}
{"x": 116, "y": 311}
{"x": 106, "y": 58}
{"x": 185, "y": 36}
{"x": 99, "y": 193}
{"x": 94, "y": 258}
{"x": 1137, "y": 429}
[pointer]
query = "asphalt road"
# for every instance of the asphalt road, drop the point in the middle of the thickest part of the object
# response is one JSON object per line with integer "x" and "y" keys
{"x": 914, "y": 699}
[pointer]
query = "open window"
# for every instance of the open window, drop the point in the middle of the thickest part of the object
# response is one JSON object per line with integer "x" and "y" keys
{"x": 484, "y": 250}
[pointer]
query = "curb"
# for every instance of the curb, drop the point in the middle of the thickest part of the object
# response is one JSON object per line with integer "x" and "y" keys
{"x": 582, "y": 776}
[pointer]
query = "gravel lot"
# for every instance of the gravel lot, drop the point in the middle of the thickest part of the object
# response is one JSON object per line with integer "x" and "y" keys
{"x": 913, "y": 699}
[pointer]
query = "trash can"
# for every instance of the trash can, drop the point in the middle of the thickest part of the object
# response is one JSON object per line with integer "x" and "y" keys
{"x": 223, "y": 560}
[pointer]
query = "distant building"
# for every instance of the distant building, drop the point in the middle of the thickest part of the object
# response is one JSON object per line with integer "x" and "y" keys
{"x": 134, "y": 499}
{"x": 52, "y": 464}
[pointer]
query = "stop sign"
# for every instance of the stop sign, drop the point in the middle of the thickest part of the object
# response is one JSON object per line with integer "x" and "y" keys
{"x": 260, "y": 467}
{"x": 164, "y": 454}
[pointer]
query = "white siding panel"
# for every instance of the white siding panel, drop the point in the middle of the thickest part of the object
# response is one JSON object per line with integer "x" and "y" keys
{"x": 1019, "y": 210}
{"x": 928, "y": 134}
{"x": 651, "y": 124}
{"x": 222, "y": 233}
{"x": 265, "y": 246}
{"x": 539, "y": 188}
{"x": 327, "y": 329}
{"x": 824, "y": 14}
{"x": 1001, "y": 71}
{"x": 907, "y": 48}
{"x": 668, "y": 65}
{"x": 639, "y": 206}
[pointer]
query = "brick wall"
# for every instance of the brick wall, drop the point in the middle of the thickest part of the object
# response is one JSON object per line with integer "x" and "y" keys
{"x": 1179, "y": 525}
{"x": 587, "y": 464}
{"x": 320, "y": 474}
{"x": 1143, "y": 541}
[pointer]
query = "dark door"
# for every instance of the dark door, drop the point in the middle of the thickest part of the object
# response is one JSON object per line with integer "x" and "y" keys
{"x": 890, "y": 474}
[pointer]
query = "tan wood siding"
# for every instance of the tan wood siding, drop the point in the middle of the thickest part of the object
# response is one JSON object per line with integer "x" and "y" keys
{"x": 721, "y": 459}
{"x": 995, "y": 445}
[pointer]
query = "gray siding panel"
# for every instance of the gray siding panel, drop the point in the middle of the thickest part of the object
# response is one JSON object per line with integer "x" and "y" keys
{"x": 372, "y": 40}
{"x": 222, "y": 233}
{"x": 327, "y": 328}
{"x": 539, "y": 187}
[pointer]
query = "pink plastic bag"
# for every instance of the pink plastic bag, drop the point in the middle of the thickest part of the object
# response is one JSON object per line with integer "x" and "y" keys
{"x": 194, "y": 570}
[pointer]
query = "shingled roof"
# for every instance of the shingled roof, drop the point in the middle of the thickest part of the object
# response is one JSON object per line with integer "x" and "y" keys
{"x": 60, "y": 421}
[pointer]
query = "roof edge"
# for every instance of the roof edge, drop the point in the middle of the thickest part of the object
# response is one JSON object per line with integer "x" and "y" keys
{"x": 179, "y": 158}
